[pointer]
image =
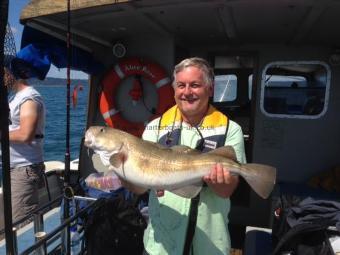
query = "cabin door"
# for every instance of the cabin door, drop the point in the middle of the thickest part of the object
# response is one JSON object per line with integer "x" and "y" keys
{"x": 233, "y": 92}
{"x": 233, "y": 95}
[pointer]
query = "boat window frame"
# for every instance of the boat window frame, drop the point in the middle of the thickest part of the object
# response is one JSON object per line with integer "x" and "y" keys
{"x": 295, "y": 116}
{"x": 236, "y": 89}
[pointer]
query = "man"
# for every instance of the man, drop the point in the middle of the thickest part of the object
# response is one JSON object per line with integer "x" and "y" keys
{"x": 194, "y": 123}
{"x": 26, "y": 132}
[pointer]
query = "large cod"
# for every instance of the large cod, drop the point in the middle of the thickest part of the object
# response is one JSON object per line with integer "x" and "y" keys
{"x": 178, "y": 169}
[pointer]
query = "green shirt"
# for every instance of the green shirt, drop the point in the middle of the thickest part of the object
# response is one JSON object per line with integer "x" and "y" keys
{"x": 168, "y": 220}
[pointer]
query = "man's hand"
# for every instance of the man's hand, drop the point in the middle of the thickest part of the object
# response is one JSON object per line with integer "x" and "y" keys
{"x": 160, "y": 193}
{"x": 221, "y": 181}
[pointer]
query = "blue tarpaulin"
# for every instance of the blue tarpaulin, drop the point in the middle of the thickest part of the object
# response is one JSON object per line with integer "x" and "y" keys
{"x": 40, "y": 50}
{"x": 31, "y": 61}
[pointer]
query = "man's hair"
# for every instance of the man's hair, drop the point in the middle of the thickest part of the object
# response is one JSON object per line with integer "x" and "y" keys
{"x": 200, "y": 63}
{"x": 9, "y": 79}
{"x": 7, "y": 60}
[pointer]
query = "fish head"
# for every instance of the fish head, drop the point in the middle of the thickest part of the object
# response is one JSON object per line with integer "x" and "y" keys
{"x": 105, "y": 141}
{"x": 103, "y": 138}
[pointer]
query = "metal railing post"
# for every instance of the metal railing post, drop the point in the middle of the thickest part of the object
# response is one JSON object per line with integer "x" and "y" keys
{"x": 15, "y": 240}
{"x": 38, "y": 222}
{"x": 41, "y": 250}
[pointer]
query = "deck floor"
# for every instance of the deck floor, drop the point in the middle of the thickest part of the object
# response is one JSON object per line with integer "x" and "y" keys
{"x": 235, "y": 252}
{"x": 25, "y": 235}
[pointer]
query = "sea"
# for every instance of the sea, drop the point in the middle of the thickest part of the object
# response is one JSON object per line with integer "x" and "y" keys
{"x": 55, "y": 129}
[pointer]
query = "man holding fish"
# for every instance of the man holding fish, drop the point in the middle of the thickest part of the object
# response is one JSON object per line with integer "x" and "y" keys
{"x": 194, "y": 123}
{"x": 189, "y": 144}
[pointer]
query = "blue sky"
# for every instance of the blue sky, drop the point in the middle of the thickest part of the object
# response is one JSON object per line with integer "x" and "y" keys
{"x": 15, "y": 7}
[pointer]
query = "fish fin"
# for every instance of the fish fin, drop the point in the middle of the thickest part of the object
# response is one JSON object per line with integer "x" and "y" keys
{"x": 111, "y": 168}
{"x": 116, "y": 160}
{"x": 188, "y": 191}
{"x": 98, "y": 164}
{"x": 184, "y": 149}
{"x": 261, "y": 178}
{"x": 225, "y": 151}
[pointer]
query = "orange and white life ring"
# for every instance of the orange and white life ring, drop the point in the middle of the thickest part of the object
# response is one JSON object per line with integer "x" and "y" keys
{"x": 129, "y": 67}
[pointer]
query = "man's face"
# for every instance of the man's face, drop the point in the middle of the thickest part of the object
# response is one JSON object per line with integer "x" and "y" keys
{"x": 191, "y": 91}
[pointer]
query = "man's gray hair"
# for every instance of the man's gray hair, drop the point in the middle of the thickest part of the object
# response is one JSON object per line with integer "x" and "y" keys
{"x": 200, "y": 63}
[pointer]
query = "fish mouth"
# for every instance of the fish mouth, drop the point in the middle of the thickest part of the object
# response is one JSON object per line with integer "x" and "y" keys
{"x": 89, "y": 139}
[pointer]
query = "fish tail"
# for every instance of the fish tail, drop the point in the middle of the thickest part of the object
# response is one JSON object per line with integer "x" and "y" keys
{"x": 261, "y": 178}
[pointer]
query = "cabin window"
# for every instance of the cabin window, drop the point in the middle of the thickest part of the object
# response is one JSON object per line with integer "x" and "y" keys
{"x": 295, "y": 89}
{"x": 225, "y": 89}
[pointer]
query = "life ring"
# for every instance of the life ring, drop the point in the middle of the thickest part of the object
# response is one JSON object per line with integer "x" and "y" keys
{"x": 125, "y": 68}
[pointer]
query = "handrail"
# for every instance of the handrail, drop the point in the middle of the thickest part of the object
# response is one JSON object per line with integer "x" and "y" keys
{"x": 34, "y": 212}
{"x": 67, "y": 222}
{"x": 4, "y": 136}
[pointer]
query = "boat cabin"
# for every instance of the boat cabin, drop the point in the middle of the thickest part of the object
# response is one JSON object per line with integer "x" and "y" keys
{"x": 277, "y": 67}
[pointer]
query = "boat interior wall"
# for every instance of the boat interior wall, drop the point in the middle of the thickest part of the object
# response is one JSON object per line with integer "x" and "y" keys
{"x": 163, "y": 53}
{"x": 158, "y": 49}
{"x": 299, "y": 148}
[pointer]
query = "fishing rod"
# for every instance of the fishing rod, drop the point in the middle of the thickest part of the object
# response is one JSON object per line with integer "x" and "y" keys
{"x": 4, "y": 108}
{"x": 66, "y": 211}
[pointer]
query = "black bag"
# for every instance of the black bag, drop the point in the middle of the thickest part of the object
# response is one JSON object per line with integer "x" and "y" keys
{"x": 307, "y": 238}
{"x": 115, "y": 226}
{"x": 281, "y": 210}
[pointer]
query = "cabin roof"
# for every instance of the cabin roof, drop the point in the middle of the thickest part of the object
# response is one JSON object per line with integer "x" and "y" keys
{"x": 221, "y": 22}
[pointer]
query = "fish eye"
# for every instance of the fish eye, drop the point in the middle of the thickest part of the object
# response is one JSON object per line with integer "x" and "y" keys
{"x": 102, "y": 130}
